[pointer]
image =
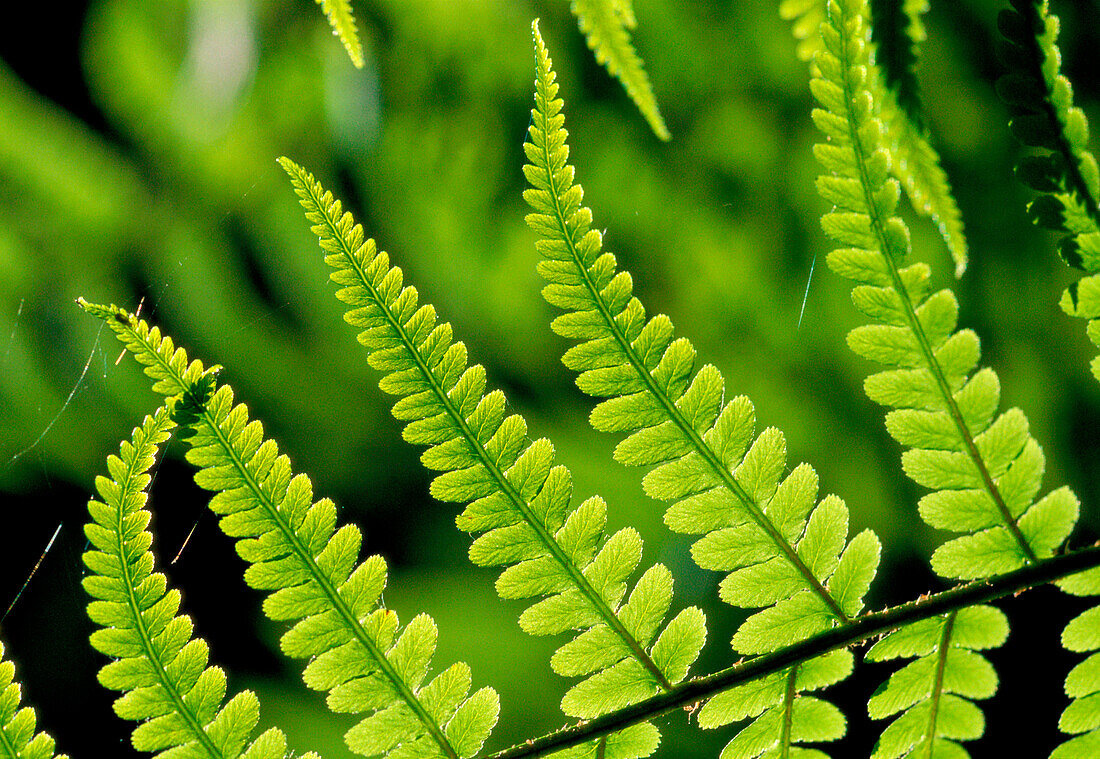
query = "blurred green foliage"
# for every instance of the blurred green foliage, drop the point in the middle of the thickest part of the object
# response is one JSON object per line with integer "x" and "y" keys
{"x": 166, "y": 190}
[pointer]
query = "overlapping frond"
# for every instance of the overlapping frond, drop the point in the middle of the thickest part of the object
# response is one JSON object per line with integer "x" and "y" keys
{"x": 342, "y": 21}
{"x": 18, "y": 739}
{"x": 1063, "y": 170}
{"x": 606, "y": 25}
{"x": 1044, "y": 117}
{"x": 519, "y": 501}
{"x": 309, "y": 568}
{"x": 934, "y": 693}
{"x": 984, "y": 469}
{"x": 785, "y": 551}
{"x": 1082, "y": 635}
{"x": 162, "y": 670}
{"x": 898, "y": 33}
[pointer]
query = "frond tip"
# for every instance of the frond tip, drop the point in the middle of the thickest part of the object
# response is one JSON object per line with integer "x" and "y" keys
{"x": 606, "y": 24}
{"x": 342, "y": 22}
{"x": 295, "y": 551}
{"x": 18, "y": 739}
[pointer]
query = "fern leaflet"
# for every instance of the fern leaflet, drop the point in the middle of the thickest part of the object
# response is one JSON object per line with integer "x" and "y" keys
{"x": 342, "y": 21}
{"x": 1065, "y": 172}
{"x": 898, "y": 32}
{"x": 984, "y": 472}
{"x": 605, "y": 24}
{"x": 163, "y": 670}
{"x": 786, "y": 553}
{"x": 518, "y": 500}
{"x": 1044, "y": 117}
{"x": 309, "y": 567}
{"x": 933, "y": 691}
{"x": 18, "y": 740}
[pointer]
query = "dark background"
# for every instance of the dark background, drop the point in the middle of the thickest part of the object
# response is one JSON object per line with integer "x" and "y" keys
{"x": 137, "y": 147}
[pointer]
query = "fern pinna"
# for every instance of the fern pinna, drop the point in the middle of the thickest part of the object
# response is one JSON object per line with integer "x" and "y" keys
{"x": 1063, "y": 171}
{"x": 162, "y": 670}
{"x": 296, "y": 553}
{"x": 984, "y": 470}
{"x": 1067, "y": 176}
{"x": 18, "y": 739}
{"x": 783, "y": 551}
{"x": 606, "y": 25}
{"x": 898, "y": 32}
{"x": 519, "y": 501}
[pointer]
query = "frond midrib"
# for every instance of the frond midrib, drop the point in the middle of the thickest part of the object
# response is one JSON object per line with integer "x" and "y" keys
{"x": 502, "y": 482}
{"x": 673, "y": 412}
{"x": 143, "y": 629}
{"x": 330, "y": 592}
{"x": 937, "y": 683}
{"x": 932, "y": 364}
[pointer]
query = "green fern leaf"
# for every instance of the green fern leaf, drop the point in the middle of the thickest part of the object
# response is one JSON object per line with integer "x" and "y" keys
{"x": 519, "y": 501}
{"x": 309, "y": 566}
{"x": 984, "y": 469}
{"x": 1064, "y": 171}
{"x": 1082, "y": 635}
{"x": 783, "y": 551}
{"x": 1044, "y": 117}
{"x": 18, "y": 739}
{"x": 914, "y": 162}
{"x": 932, "y": 693}
{"x": 168, "y": 687}
{"x": 342, "y": 21}
{"x": 605, "y": 24}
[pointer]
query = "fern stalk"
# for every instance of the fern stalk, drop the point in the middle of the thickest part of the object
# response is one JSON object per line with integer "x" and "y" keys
{"x": 866, "y": 627}
{"x": 296, "y": 552}
{"x": 342, "y": 21}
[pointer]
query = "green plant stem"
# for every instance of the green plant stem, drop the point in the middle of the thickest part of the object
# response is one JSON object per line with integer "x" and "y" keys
{"x": 860, "y": 630}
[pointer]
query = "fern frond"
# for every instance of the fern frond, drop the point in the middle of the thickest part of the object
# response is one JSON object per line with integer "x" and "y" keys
{"x": 934, "y": 692}
{"x": 783, "y": 551}
{"x": 1045, "y": 118}
{"x": 519, "y": 501}
{"x": 309, "y": 567}
{"x": 168, "y": 687}
{"x": 1064, "y": 171}
{"x": 342, "y": 21}
{"x": 897, "y": 33}
{"x": 984, "y": 470}
{"x": 18, "y": 740}
{"x": 605, "y": 24}
{"x": 1082, "y": 717}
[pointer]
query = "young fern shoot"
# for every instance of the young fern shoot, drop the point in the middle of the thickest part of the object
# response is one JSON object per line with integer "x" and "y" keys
{"x": 785, "y": 554}
{"x": 518, "y": 500}
{"x": 309, "y": 567}
{"x": 984, "y": 470}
